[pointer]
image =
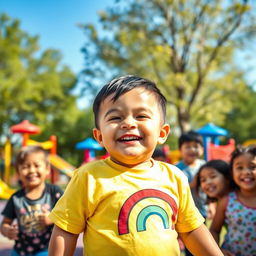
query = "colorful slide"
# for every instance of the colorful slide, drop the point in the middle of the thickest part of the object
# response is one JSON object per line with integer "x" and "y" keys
{"x": 5, "y": 190}
{"x": 60, "y": 164}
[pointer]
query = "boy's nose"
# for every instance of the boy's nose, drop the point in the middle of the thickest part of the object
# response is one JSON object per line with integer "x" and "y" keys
{"x": 128, "y": 123}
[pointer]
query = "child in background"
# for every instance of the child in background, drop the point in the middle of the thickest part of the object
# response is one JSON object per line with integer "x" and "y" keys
{"x": 214, "y": 179}
{"x": 237, "y": 210}
{"x": 191, "y": 149}
{"x": 129, "y": 204}
{"x": 30, "y": 206}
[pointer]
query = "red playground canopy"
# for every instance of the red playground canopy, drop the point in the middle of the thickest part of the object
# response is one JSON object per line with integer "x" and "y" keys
{"x": 25, "y": 127}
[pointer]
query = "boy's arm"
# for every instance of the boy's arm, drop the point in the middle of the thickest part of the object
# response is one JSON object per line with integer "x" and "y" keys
{"x": 218, "y": 220}
{"x": 200, "y": 242}
{"x": 62, "y": 243}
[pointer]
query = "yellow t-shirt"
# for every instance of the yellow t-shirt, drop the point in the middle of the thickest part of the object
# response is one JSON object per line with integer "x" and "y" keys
{"x": 127, "y": 211}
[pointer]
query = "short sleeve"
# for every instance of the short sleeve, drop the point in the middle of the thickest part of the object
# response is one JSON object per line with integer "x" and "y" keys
{"x": 9, "y": 210}
{"x": 189, "y": 217}
{"x": 69, "y": 212}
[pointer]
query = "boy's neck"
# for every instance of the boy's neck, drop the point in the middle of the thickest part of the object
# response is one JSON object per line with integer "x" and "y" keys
{"x": 35, "y": 192}
{"x": 145, "y": 164}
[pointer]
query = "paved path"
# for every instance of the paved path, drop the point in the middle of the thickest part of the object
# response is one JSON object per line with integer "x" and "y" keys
{"x": 6, "y": 244}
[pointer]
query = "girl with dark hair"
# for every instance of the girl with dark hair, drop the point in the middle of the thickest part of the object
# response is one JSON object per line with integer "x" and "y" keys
{"x": 237, "y": 210}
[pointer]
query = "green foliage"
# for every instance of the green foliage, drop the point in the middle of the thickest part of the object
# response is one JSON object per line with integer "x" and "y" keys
{"x": 35, "y": 86}
{"x": 241, "y": 120}
{"x": 187, "y": 47}
{"x": 31, "y": 87}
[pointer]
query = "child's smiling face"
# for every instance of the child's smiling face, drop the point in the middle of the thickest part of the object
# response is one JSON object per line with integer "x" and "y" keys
{"x": 213, "y": 183}
{"x": 244, "y": 172}
{"x": 191, "y": 151}
{"x": 34, "y": 170}
{"x": 131, "y": 127}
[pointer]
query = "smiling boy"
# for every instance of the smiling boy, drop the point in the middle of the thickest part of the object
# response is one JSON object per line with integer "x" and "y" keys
{"x": 129, "y": 204}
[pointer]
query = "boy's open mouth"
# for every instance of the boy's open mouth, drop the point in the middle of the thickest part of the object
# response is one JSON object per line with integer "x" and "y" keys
{"x": 129, "y": 138}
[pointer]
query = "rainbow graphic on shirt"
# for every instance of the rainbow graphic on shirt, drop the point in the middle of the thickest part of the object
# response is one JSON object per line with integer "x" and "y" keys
{"x": 147, "y": 211}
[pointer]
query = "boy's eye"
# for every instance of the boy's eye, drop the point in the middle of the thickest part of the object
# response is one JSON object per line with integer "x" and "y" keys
{"x": 142, "y": 116}
{"x": 112, "y": 118}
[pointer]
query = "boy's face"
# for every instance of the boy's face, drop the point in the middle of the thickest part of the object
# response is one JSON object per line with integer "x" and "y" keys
{"x": 34, "y": 170}
{"x": 131, "y": 127}
{"x": 190, "y": 151}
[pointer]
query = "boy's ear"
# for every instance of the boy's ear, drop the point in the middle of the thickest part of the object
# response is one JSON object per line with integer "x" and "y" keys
{"x": 97, "y": 136}
{"x": 164, "y": 132}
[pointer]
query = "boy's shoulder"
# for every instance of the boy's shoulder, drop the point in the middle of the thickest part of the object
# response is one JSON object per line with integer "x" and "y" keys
{"x": 173, "y": 170}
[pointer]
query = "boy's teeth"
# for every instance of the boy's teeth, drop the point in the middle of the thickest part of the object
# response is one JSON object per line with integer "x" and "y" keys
{"x": 130, "y": 138}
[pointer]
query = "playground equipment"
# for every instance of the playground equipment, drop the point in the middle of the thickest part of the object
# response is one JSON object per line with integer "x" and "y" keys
{"x": 25, "y": 128}
{"x": 221, "y": 152}
{"x": 212, "y": 150}
{"x": 89, "y": 146}
{"x": 174, "y": 156}
{"x": 5, "y": 190}
{"x": 7, "y": 160}
{"x": 249, "y": 142}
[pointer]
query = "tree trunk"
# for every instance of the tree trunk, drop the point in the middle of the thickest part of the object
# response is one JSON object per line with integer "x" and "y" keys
{"x": 183, "y": 119}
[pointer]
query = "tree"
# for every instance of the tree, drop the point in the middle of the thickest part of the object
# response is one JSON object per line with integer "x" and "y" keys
{"x": 31, "y": 87}
{"x": 241, "y": 121}
{"x": 186, "y": 46}
{"x": 35, "y": 86}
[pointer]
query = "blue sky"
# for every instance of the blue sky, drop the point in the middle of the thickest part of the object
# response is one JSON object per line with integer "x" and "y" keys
{"x": 55, "y": 21}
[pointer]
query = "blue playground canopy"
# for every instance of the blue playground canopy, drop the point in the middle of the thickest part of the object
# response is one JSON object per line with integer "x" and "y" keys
{"x": 89, "y": 144}
{"x": 211, "y": 132}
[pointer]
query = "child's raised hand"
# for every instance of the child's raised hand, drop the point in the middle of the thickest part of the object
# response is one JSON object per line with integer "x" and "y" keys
{"x": 43, "y": 218}
{"x": 10, "y": 231}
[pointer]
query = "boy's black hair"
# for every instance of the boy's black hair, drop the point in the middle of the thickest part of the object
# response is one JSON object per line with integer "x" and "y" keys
{"x": 219, "y": 165}
{"x": 120, "y": 86}
{"x": 26, "y": 151}
{"x": 190, "y": 136}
